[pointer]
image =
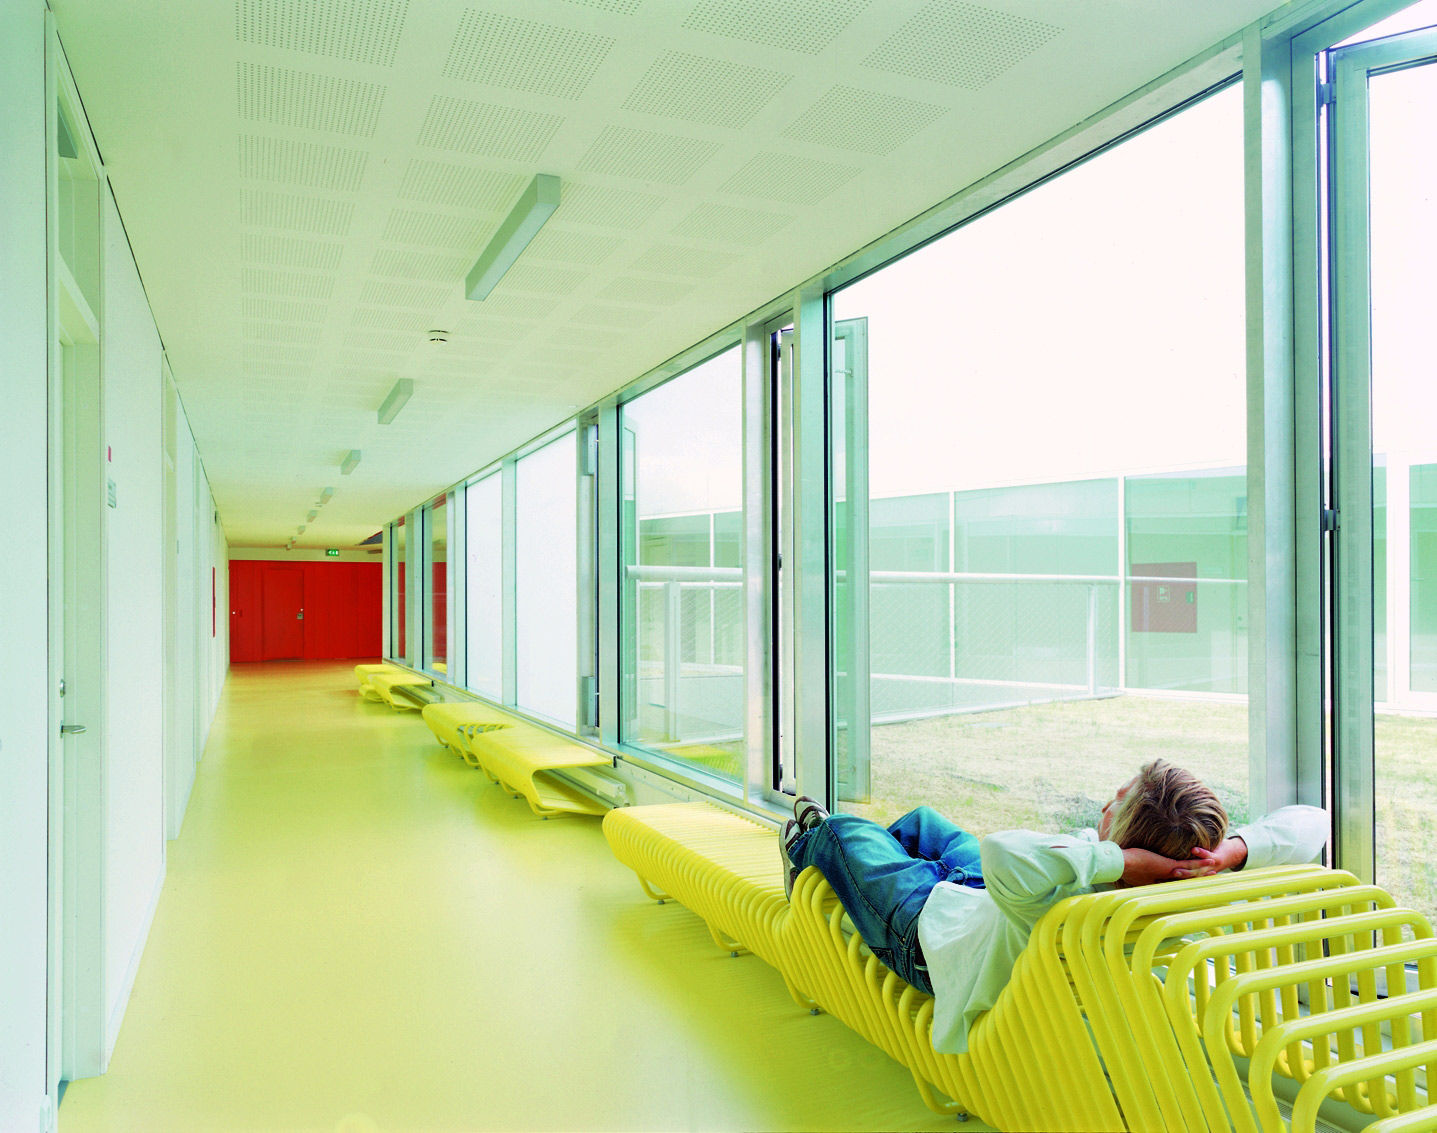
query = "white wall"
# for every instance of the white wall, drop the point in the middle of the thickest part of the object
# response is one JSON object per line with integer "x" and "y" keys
{"x": 132, "y": 731}
{"x": 134, "y": 615}
{"x": 24, "y": 714}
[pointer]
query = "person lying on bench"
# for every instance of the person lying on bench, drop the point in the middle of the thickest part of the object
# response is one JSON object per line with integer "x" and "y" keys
{"x": 950, "y": 914}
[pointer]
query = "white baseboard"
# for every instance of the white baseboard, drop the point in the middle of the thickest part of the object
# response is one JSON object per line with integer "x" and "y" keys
{"x": 127, "y": 985}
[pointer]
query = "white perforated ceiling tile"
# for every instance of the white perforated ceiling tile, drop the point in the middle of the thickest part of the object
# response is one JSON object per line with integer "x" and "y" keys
{"x": 713, "y": 92}
{"x": 487, "y": 129}
{"x": 647, "y": 155}
{"x": 961, "y": 44}
{"x": 863, "y": 120}
{"x": 605, "y": 207}
{"x": 309, "y": 101}
{"x": 623, "y": 7}
{"x": 651, "y": 292}
{"x": 728, "y": 224}
{"x": 304, "y": 165}
{"x": 284, "y": 310}
{"x": 320, "y": 216}
{"x": 557, "y": 281}
{"x": 788, "y": 177}
{"x": 430, "y": 229}
{"x": 459, "y": 186}
{"x": 420, "y": 296}
{"x": 675, "y": 259}
{"x": 519, "y": 306}
{"x": 503, "y": 51}
{"x": 402, "y": 320}
{"x": 306, "y": 186}
{"x": 563, "y": 246}
{"x": 300, "y": 285}
{"x": 417, "y": 265}
{"x": 261, "y": 355}
{"x": 269, "y": 249}
{"x": 362, "y": 31}
{"x": 279, "y": 332}
{"x": 798, "y": 25}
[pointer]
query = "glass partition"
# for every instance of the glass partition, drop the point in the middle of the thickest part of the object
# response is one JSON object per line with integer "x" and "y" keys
{"x": 546, "y": 577}
{"x": 436, "y": 643}
{"x": 399, "y": 581}
{"x": 484, "y": 585}
{"x": 682, "y": 649}
{"x": 1055, "y": 500}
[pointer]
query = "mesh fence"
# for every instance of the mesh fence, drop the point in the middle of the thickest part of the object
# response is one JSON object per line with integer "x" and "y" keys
{"x": 947, "y": 646}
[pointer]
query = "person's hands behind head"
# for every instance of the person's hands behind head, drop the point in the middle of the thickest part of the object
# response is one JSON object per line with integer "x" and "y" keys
{"x": 1143, "y": 867}
{"x": 1230, "y": 854}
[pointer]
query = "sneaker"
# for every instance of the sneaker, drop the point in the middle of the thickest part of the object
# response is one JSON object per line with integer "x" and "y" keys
{"x": 790, "y": 834}
{"x": 809, "y": 812}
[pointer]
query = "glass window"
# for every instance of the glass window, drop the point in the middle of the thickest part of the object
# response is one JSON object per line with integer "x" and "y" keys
{"x": 436, "y": 643}
{"x": 1056, "y": 502}
{"x": 397, "y": 635}
{"x": 683, "y": 625}
{"x": 545, "y": 605}
{"x": 484, "y": 585}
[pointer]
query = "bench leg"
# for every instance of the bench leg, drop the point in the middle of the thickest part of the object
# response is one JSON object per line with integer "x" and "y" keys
{"x": 727, "y": 943}
{"x": 651, "y": 892}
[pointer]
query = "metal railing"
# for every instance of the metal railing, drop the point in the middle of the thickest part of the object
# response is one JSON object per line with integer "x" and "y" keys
{"x": 676, "y": 581}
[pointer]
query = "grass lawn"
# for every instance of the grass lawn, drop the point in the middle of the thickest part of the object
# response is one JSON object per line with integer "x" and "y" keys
{"x": 1053, "y": 766}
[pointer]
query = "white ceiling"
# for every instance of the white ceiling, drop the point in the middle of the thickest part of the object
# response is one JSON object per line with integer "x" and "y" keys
{"x": 306, "y": 183}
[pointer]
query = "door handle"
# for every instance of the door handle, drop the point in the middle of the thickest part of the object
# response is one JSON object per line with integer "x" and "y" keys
{"x": 72, "y": 729}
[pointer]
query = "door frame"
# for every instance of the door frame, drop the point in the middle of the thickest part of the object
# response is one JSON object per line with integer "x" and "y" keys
{"x": 1353, "y": 583}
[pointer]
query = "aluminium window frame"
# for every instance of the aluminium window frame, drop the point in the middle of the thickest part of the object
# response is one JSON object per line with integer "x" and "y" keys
{"x": 1284, "y": 585}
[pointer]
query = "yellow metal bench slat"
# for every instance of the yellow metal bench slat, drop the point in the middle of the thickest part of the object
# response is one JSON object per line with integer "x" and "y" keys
{"x": 520, "y": 758}
{"x": 1127, "y": 1008}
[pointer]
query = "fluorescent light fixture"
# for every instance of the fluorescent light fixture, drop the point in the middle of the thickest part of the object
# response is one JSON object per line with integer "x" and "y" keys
{"x": 300, "y": 531}
{"x": 537, "y": 204}
{"x": 351, "y": 461}
{"x": 395, "y": 401}
{"x": 314, "y": 511}
{"x": 325, "y": 496}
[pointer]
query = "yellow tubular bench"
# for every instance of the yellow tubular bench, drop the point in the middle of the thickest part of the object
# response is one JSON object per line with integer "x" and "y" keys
{"x": 1166, "y": 1007}
{"x": 521, "y": 758}
{"x": 454, "y": 721}
{"x": 362, "y": 673}
{"x": 384, "y": 685}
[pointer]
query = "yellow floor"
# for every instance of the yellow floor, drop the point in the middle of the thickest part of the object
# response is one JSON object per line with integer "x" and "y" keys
{"x": 358, "y": 932}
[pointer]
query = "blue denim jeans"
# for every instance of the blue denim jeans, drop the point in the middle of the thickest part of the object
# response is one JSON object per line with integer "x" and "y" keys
{"x": 883, "y": 877}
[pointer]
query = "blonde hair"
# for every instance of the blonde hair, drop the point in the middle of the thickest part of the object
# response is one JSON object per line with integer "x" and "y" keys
{"x": 1169, "y": 811}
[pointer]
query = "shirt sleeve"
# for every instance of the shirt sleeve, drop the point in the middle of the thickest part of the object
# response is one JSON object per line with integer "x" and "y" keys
{"x": 1027, "y": 873}
{"x": 1288, "y": 836}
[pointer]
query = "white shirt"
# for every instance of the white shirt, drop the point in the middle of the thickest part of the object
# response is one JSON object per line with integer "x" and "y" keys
{"x": 971, "y": 938}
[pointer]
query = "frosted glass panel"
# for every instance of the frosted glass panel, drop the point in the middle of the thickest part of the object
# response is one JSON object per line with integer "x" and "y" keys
{"x": 545, "y": 600}
{"x": 484, "y": 593}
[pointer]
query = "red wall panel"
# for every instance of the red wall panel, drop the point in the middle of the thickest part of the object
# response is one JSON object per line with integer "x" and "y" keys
{"x": 342, "y": 609}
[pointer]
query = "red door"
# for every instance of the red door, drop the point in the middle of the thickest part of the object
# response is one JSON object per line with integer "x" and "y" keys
{"x": 282, "y": 599}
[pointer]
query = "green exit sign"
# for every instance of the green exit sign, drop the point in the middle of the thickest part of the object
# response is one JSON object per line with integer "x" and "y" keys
{"x": 333, "y": 552}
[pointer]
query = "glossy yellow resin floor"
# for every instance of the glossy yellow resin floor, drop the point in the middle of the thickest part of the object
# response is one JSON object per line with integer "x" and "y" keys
{"x": 360, "y": 933}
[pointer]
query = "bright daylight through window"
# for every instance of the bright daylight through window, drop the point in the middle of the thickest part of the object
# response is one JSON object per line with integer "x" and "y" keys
{"x": 682, "y": 597}
{"x": 1056, "y": 416}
